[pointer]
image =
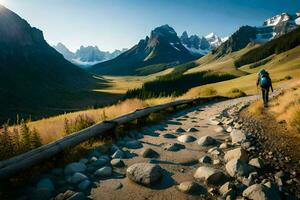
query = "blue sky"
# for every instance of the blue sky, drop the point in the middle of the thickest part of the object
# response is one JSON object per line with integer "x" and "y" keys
{"x": 115, "y": 24}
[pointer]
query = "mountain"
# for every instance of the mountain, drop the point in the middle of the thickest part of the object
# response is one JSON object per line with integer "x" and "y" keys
{"x": 33, "y": 75}
{"x": 273, "y": 27}
{"x": 200, "y": 46}
{"x": 196, "y": 45}
{"x": 61, "y": 48}
{"x": 161, "y": 50}
{"x": 214, "y": 40}
{"x": 87, "y": 56}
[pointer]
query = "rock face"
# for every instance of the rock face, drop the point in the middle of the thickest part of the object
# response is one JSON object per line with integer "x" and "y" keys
{"x": 186, "y": 138}
{"x": 237, "y": 153}
{"x": 210, "y": 175}
{"x": 260, "y": 192}
{"x": 74, "y": 167}
{"x": 206, "y": 141}
{"x": 237, "y": 136}
{"x": 237, "y": 167}
{"x": 144, "y": 173}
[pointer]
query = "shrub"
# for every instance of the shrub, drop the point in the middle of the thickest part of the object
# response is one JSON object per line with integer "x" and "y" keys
{"x": 235, "y": 93}
{"x": 79, "y": 123}
{"x": 208, "y": 92}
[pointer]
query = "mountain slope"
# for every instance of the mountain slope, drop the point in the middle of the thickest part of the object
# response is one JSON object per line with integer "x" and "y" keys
{"x": 162, "y": 47}
{"x": 273, "y": 27}
{"x": 33, "y": 75}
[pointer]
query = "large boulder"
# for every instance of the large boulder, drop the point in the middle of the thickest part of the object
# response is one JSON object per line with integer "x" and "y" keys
{"x": 210, "y": 175}
{"x": 237, "y": 136}
{"x": 144, "y": 173}
{"x": 237, "y": 153}
{"x": 236, "y": 167}
{"x": 186, "y": 138}
{"x": 206, "y": 141}
{"x": 260, "y": 192}
{"x": 74, "y": 167}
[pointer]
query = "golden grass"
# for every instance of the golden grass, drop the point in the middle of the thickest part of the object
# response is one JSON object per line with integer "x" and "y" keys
{"x": 222, "y": 64}
{"x": 286, "y": 107}
{"x": 52, "y": 128}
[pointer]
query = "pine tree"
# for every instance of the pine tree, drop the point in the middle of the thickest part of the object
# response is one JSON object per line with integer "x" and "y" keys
{"x": 6, "y": 143}
{"x": 36, "y": 140}
{"x": 66, "y": 127}
{"x": 16, "y": 140}
{"x": 25, "y": 134}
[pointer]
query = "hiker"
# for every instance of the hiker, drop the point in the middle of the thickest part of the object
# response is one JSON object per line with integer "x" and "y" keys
{"x": 265, "y": 83}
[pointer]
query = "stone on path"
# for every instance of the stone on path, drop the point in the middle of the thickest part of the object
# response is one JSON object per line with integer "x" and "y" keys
{"x": 45, "y": 187}
{"x": 225, "y": 188}
{"x": 257, "y": 162}
{"x": 210, "y": 175}
{"x": 77, "y": 196}
{"x": 260, "y": 192}
{"x": 237, "y": 153}
{"x": 237, "y": 136}
{"x": 77, "y": 178}
{"x": 205, "y": 159}
{"x": 229, "y": 129}
{"x": 189, "y": 187}
{"x": 169, "y": 136}
{"x": 99, "y": 163}
{"x": 149, "y": 153}
{"x": 214, "y": 121}
{"x": 118, "y": 154}
{"x": 206, "y": 141}
{"x": 186, "y": 138}
{"x": 84, "y": 185}
{"x": 103, "y": 172}
{"x": 180, "y": 130}
{"x": 134, "y": 144}
{"x": 74, "y": 167}
{"x": 237, "y": 167}
{"x": 144, "y": 173}
{"x": 173, "y": 147}
{"x": 192, "y": 130}
{"x": 117, "y": 163}
{"x": 224, "y": 145}
{"x": 219, "y": 129}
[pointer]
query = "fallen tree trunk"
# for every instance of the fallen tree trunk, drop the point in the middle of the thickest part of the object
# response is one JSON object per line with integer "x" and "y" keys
{"x": 12, "y": 166}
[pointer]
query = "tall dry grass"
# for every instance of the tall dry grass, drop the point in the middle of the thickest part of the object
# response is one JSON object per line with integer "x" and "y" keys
{"x": 52, "y": 128}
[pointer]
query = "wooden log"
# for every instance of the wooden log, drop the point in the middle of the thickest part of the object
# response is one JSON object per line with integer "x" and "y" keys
{"x": 21, "y": 162}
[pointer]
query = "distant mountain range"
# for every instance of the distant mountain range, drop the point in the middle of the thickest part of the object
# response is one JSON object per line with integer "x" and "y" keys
{"x": 163, "y": 49}
{"x": 87, "y": 56}
{"x": 273, "y": 27}
{"x": 200, "y": 46}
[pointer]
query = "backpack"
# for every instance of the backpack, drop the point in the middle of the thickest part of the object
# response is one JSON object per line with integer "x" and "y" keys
{"x": 264, "y": 80}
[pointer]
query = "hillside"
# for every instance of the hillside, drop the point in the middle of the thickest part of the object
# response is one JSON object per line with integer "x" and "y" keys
{"x": 35, "y": 80}
{"x": 163, "y": 49}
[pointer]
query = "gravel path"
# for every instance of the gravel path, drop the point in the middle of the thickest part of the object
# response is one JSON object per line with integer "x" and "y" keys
{"x": 199, "y": 153}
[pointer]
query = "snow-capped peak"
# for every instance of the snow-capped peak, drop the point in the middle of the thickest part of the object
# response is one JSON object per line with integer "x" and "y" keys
{"x": 273, "y": 21}
{"x": 211, "y": 35}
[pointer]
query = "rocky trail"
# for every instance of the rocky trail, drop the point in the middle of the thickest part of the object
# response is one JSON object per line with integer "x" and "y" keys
{"x": 201, "y": 153}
